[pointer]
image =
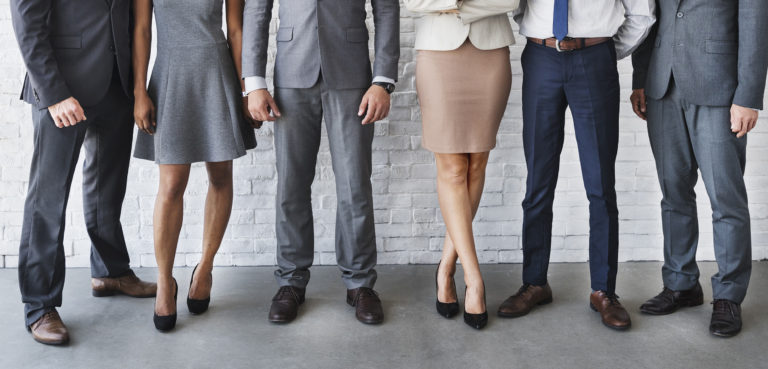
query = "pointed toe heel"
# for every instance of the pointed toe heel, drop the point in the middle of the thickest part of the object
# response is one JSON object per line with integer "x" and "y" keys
{"x": 476, "y": 321}
{"x": 195, "y": 306}
{"x": 165, "y": 323}
{"x": 447, "y": 309}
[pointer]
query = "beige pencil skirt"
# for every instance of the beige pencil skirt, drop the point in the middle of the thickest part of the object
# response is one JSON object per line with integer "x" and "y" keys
{"x": 463, "y": 94}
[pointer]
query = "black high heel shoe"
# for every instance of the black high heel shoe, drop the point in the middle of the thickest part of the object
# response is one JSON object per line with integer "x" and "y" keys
{"x": 446, "y": 309}
{"x": 477, "y": 321}
{"x": 165, "y": 323}
{"x": 197, "y": 306}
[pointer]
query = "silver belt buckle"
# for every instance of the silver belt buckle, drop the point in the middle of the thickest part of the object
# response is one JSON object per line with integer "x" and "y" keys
{"x": 557, "y": 46}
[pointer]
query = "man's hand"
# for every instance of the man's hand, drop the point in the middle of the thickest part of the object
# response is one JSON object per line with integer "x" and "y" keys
{"x": 67, "y": 113}
{"x": 144, "y": 114}
{"x": 261, "y": 104}
{"x": 638, "y": 103}
{"x": 375, "y": 105}
{"x": 742, "y": 120}
{"x": 254, "y": 123}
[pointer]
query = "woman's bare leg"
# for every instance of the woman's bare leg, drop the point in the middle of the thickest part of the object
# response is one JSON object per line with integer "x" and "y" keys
{"x": 168, "y": 216}
{"x": 218, "y": 207}
{"x": 453, "y": 193}
{"x": 478, "y": 163}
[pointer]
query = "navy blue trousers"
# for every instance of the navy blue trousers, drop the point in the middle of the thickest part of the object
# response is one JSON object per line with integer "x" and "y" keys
{"x": 587, "y": 81}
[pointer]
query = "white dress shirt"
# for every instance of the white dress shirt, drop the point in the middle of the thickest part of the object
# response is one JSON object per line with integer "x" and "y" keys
{"x": 627, "y": 21}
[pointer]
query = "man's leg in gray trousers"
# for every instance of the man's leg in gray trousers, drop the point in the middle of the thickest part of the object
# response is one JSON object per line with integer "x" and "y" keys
{"x": 678, "y": 173}
{"x": 41, "y": 252}
{"x": 722, "y": 158}
{"x": 685, "y": 138}
{"x": 350, "y": 144}
{"x": 297, "y": 141}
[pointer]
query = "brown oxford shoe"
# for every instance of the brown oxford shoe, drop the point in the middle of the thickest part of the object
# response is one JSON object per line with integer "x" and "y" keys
{"x": 367, "y": 305}
{"x": 285, "y": 304}
{"x": 128, "y": 284}
{"x": 612, "y": 313}
{"x": 49, "y": 329}
{"x": 526, "y": 298}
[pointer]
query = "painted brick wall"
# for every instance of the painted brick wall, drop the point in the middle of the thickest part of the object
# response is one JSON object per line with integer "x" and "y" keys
{"x": 409, "y": 227}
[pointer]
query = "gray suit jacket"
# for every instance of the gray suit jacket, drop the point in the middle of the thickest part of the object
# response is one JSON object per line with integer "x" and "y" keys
{"x": 717, "y": 50}
{"x": 322, "y": 34}
{"x": 70, "y": 48}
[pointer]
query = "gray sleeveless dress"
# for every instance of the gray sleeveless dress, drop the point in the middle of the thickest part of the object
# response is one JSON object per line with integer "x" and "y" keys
{"x": 195, "y": 89}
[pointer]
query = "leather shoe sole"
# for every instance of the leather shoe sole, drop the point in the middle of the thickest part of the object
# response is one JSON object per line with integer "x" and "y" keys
{"x": 108, "y": 293}
{"x": 614, "y": 327}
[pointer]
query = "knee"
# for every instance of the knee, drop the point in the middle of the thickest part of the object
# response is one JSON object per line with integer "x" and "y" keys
{"x": 172, "y": 189}
{"x": 220, "y": 182}
{"x": 476, "y": 169}
{"x": 454, "y": 173}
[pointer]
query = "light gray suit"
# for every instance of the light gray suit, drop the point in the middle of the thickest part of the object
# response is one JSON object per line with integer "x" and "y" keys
{"x": 707, "y": 55}
{"x": 323, "y": 69}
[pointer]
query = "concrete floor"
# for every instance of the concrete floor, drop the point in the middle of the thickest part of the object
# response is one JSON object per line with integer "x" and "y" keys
{"x": 117, "y": 332}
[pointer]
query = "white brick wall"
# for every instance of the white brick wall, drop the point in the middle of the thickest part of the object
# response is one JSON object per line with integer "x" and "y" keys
{"x": 409, "y": 227}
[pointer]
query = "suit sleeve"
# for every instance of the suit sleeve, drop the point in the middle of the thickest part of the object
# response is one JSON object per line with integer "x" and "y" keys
{"x": 474, "y": 10}
{"x": 753, "y": 53}
{"x": 641, "y": 57}
{"x": 29, "y": 19}
{"x": 257, "y": 15}
{"x": 386, "y": 19}
{"x": 431, "y": 6}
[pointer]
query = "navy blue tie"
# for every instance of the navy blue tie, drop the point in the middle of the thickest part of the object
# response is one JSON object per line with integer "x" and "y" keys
{"x": 560, "y": 24}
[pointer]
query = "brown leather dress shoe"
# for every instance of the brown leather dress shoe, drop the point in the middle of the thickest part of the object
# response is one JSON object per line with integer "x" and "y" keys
{"x": 128, "y": 284}
{"x": 367, "y": 305}
{"x": 285, "y": 304}
{"x": 613, "y": 314}
{"x": 49, "y": 329}
{"x": 526, "y": 298}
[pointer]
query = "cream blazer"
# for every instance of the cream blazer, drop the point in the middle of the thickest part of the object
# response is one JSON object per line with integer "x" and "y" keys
{"x": 484, "y": 22}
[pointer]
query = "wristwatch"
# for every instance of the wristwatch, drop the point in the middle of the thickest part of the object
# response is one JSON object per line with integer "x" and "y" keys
{"x": 389, "y": 87}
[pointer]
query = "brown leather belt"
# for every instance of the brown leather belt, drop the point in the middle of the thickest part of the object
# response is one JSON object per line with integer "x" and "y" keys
{"x": 569, "y": 44}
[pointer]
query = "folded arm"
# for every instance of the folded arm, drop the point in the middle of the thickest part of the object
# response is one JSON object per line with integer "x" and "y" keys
{"x": 431, "y": 6}
{"x": 474, "y": 10}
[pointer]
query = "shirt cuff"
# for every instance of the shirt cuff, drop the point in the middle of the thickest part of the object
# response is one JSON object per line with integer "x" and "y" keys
{"x": 255, "y": 83}
{"x": 376, "y": 79}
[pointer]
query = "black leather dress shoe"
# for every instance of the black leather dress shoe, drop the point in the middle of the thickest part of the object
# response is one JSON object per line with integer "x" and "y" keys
{"x": 285, "y": 304}
{"x": 726, "y": 318}
{"x": 668, "y": 301}
{"x": 367, "y": 305}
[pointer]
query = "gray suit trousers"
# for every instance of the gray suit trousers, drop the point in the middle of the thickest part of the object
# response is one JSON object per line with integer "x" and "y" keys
{"x": 106, "y": 135}
{"x": 686, "y": 138}
{"x": 297, "y": 141}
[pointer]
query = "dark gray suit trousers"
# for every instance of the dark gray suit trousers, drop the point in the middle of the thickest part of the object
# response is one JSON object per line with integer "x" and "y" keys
{"x": 687, "y": 138}
{"x": 106, "y": 135}
{"x": 297, "y": 141}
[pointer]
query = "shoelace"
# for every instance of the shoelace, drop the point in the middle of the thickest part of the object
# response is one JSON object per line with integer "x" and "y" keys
{"x": 667, "y": 295}
{"x": 286, "y": 292}
{"x": 367, "y": 292}
{"x": 613, "y": 299}
{"x": 522, "y": 290}
{"x": 722, "y": 307}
